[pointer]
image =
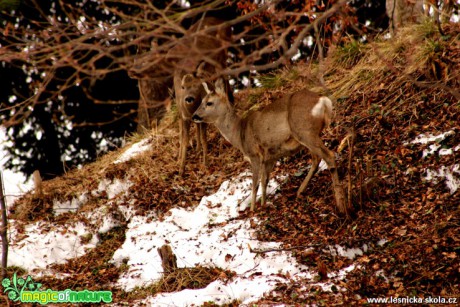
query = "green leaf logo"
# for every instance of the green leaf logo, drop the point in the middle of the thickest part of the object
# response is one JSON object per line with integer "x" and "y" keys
{"x": 15, "y": 286}
{"x": 6, "y": 282}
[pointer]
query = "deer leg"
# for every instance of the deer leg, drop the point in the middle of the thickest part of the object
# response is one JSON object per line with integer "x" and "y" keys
{"x": 314, "y": 166}
{"x": 184, "y": 139}
{"x": 340, "y": 199}
{"x": 339, "y": 193}
{"x": 181, "y": 124}
{"x": 267, "y": 167}
{"x": 198, "y": 137}
{"x": 316, "y": 147}
{"x": 204, "y": 143}
{"x": 255, "y": 182}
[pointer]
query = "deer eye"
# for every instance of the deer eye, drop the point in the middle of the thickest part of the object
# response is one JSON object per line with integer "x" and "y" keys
{"x": 189, "y": 99}
{"x": 209, "y": 104}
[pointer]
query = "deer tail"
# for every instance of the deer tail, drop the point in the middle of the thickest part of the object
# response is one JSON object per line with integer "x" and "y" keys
{"x": 327, "y": 108}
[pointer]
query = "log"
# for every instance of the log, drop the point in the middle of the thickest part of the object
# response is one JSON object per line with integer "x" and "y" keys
{"x": 168, "y": 259}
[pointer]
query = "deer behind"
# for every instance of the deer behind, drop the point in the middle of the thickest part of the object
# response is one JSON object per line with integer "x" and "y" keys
{"x": 153, "y": 85}
{"x": 201, "y": 52}
{"x": 280, "y": 129}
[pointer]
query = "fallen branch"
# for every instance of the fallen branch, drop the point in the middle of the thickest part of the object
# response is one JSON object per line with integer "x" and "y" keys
{"x": 264, "y": 251}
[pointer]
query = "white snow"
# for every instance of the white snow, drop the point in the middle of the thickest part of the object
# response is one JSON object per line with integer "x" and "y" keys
{"x": 133, "y": 151}
{"x": 101, "y": 218}
{"x": 112, "y": 188}
{"x": 16, "y": 184}
{"x": 382, "y": 242}
{"x": 350, "y": 253}
{"x": 43, "y": 244}
{"x": 451, "y": 173}
{"x": 202, "y": 236}
{"x": 431, "y": 150}
{"x": 70, "y": 205}
{"x": 430, "y": 138}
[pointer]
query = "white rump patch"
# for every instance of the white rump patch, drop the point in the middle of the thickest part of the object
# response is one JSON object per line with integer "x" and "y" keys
{"x": 319, "y": 108}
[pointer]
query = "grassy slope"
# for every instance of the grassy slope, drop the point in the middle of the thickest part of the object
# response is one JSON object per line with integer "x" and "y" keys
{"x": 389, "y": 92}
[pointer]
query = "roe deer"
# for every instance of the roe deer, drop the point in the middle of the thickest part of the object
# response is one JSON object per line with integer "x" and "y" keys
{"x": 153, "y": 84}
{"x": 154, "y": 102}
{"x": 207, "y": 51}
{"x": 403, "y": 12}
{"x": 278, "y": 130}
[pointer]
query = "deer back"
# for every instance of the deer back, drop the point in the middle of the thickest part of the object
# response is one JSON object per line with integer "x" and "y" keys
{"x": 273, "y": 131}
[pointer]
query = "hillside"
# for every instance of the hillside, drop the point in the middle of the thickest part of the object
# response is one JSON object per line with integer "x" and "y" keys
{"x": 98, "y": 227}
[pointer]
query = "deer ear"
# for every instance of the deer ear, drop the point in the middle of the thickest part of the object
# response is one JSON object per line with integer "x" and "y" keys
{"x": 206, "y": 88}
{"x": 187, "y": 79}
{"x": 220, "y": 87}
{"x": 204, "y": 70}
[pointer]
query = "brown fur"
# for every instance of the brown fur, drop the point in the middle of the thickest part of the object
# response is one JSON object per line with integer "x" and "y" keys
{"x": 280, "y": 129}
{"x": 202, "y": 50}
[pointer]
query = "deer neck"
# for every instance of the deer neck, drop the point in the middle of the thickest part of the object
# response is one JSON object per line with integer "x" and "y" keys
{"x": 230, "y": 128}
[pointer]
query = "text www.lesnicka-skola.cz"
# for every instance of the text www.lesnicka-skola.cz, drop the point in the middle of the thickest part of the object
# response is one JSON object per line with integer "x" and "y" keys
{"x": 413, "y": 300}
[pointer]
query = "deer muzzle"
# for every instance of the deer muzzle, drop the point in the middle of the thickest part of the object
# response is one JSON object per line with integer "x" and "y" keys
{"x": 197, "y": 119}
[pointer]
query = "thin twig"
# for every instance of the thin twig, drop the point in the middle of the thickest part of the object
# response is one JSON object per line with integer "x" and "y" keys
{"x": 3, "y": 229}
{"x": 263, "y": 251}
{"x": 350, "y": 159}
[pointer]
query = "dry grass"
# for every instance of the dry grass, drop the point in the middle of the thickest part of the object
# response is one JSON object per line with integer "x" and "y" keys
{"x": 180, "y": 279}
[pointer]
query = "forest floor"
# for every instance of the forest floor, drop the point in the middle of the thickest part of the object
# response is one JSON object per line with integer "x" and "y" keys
{"x": 400, "y": 101}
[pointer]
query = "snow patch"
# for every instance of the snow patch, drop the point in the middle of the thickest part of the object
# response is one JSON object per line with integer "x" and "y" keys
{"x": 38, "y": 246}
{"x": 382, "y": 242}
{"x": 103, "y": 219}
{"x": 450, "y": 174}
{"x": 208, "y": 235}
{"x": 431, "y": 150}
{"x": 430, "y": 138}
{"x": 242, "y": 289}
{"x": 15, "y": 183}
{"x": 196, "y": 236}
{"x": 112, "y": 189}
{"x": 70, "y": 205}
{"x": 350, "y": 253}
{"x": 134, "y": 150}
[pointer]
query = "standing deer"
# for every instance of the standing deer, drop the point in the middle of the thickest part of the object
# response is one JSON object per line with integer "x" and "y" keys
{"x": 154, "y": 102}
{"x": 153, "y": 83}
{"x": 403, "y": 12}
{"x": 278, "y": 130}
{"x": 204, "y": 51}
